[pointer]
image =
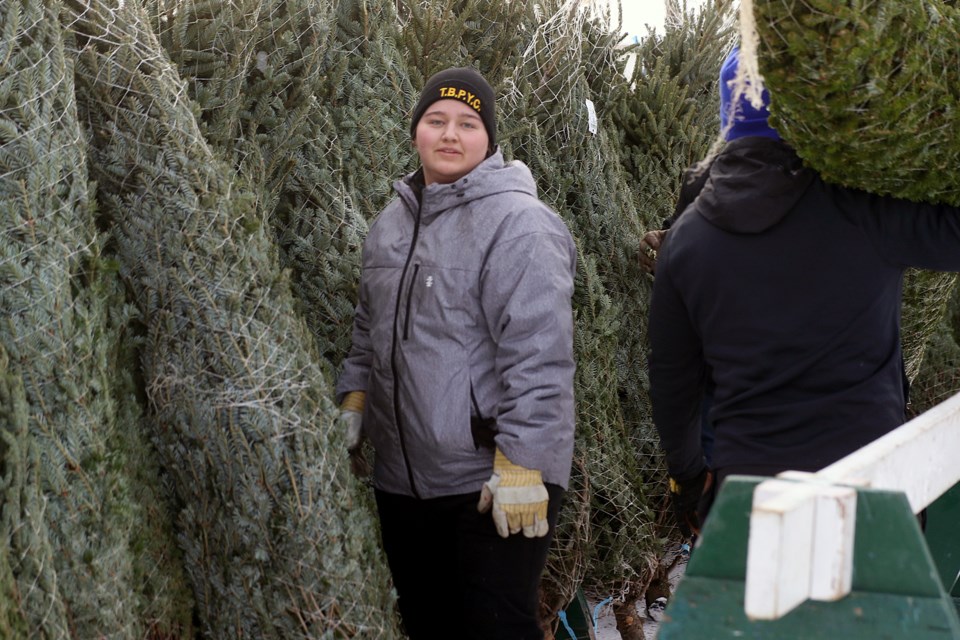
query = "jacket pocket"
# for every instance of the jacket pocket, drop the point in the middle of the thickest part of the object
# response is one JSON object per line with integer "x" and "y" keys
{"x": 483, "y": 430}
{"x": 380, "y": 292}
{"x": 440, "y": 305}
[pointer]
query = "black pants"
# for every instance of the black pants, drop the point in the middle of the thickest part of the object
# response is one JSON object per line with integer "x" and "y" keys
{"x": 455, "y": 576}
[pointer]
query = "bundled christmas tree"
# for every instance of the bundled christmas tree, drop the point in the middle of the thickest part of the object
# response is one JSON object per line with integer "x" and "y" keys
{"x": 564, "y": 89}
{"x": 669, "y": 122}
{"x": 939, "y": 376}
{"x": 486, "y": 34}
{"x": 358, "y": 143}
{"x": 87, "y": 545}
{"x": 276, "y": 544}
{"x": 310, "y": 107}
{"x": 866, "y": 93}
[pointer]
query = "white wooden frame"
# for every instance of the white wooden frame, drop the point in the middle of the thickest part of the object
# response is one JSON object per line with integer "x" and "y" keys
{"x": 802, "y": 525}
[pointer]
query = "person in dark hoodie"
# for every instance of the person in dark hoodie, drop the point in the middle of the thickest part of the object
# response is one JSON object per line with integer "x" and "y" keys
{"x": 461, "y": 374}
{"x": 786, "y": 291}
{"x": 750, "y": 121}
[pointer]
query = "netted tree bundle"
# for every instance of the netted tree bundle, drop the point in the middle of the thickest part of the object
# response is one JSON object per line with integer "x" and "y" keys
{"x": 370, "y": 105}
{"x": 357, "y": 142}
{"x": 939, "y": 376}
{"x": 284, "y": 85}
{"x": 309, "y": 101}
{"x": 925, "y": 297}
{"x": 87, "y": 547}
{"x": 15, "y": 609}
{"x": 570, "y": 67}
{"x": 255, "y": 70}
{"x": 595, "y": 324}
{"x": 670, "y": 122}
{"x": 276, "y": 544}
{"x": 670, "y": 119}
{"x": 867, "y": 92}
{"x": 486, "y": 34}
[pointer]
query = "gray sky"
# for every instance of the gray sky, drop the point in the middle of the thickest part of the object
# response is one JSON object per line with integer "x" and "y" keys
{"x": 638, "y": 13}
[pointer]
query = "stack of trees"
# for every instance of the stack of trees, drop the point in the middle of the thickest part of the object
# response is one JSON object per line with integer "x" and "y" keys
{"x": 273, "y": 541}
{"x": 567, "y": 73}
{"x": 184, "y": 190}
{"x": 87, "y": 547}
{"x": 668, "y": 122}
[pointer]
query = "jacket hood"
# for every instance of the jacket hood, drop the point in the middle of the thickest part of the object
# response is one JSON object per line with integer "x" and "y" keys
{"x": 492, "y": 176}
{"x": 753, "y": 183}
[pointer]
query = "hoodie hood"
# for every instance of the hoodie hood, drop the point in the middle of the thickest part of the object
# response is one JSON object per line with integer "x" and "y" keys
{"x": 753, "y": 184}
{"x": 492, "y": 176}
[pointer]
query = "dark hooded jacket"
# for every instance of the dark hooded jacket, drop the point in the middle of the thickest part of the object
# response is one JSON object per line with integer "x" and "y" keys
{"x": 789, "y": 290}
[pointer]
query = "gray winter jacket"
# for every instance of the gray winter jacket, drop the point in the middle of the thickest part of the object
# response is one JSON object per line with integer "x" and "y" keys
{"x": 463, "y": 335}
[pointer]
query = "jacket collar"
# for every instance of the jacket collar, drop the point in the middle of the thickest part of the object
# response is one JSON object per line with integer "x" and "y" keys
{"x": 490, "y": 177}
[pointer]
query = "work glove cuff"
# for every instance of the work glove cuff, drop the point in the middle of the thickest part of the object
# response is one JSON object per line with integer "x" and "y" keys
{"x": 685, "y": 499}
{"x": 513, "y": 475}
{"x": 354, "y": 401}
{"x": 351, "y": 419}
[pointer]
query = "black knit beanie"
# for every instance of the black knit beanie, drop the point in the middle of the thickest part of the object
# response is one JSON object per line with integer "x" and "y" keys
{"x": 463, "y": 84}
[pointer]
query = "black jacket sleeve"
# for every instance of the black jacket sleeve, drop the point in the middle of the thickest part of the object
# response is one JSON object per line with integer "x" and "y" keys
{"x": 905, "y": 233}
{"x": 677, "y": 375}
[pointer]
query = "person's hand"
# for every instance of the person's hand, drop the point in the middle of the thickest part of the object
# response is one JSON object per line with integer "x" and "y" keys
{"x": 685, "y": 498}
{"x": 649, "y": 245}
{"x": 518, "y": 499}
{"x": 351, "y": 421}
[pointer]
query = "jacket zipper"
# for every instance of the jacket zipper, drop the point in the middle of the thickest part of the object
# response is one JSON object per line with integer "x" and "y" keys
{"x": 406, "y": 319}
{"x": 393, "y": 355}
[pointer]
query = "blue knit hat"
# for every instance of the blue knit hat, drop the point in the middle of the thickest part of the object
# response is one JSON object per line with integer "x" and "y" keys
{"x": 746, "y": 120}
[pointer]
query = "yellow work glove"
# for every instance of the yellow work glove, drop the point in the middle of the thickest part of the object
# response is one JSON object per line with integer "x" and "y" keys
{"x": 518, "y": 498}
{"x": 351, "y": 420}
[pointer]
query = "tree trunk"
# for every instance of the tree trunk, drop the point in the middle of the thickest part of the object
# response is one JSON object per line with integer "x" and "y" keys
{"x": 629, "y": 624}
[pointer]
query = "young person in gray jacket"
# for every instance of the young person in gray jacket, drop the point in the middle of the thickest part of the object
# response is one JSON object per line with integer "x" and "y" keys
{"x": 461, "y": 373}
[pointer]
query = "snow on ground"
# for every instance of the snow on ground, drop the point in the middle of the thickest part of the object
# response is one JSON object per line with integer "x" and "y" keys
{"x": 606, "y": 628}
{"x": 607, "y": 625}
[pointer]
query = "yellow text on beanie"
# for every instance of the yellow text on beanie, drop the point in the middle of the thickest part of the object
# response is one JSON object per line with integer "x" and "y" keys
{"x": 467, "y": 86}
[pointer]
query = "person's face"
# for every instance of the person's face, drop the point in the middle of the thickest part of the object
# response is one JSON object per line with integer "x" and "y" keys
{"x": 451, "y": 141}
